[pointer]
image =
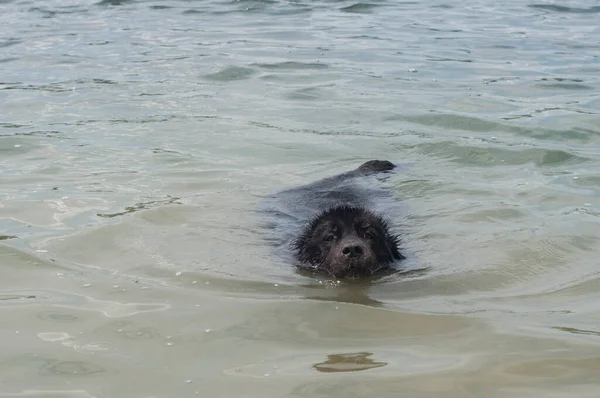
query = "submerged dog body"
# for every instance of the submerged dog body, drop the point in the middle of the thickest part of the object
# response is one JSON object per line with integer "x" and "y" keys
{"x": 336, "y": 225}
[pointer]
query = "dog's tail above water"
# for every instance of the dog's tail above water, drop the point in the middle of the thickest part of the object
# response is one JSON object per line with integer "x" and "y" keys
{"x": 375, "y": 166}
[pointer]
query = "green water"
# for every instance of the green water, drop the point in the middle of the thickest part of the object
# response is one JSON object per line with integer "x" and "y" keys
{"x": 137, "y": 138}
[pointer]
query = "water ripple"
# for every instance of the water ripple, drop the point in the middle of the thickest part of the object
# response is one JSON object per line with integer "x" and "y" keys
{"x": 138, "y": 136}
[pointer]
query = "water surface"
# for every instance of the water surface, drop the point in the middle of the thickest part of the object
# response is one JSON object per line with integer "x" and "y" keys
{"x": 137, "y": 138}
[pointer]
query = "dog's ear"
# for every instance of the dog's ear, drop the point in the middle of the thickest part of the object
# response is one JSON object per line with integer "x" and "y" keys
{"x": 393, "y": 242}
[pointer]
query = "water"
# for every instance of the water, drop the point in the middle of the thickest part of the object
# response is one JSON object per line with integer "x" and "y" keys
{"x": 137, "y": 138}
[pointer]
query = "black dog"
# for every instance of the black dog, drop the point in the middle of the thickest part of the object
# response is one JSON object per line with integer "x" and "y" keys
{"x": 333, "y": 225}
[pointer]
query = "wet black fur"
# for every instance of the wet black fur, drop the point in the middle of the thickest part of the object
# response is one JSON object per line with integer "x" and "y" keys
{"x": 309, "y": 249}
{"x": 350, "y": 203}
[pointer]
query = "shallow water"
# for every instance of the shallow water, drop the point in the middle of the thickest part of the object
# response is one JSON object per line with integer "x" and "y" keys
{"x": 138, "y": 137}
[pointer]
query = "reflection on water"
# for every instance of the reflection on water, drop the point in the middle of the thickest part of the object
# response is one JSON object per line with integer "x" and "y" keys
{"x": 140, "y": 206}
{"x": 138, "y": 137}
{"x": 348, "y": 363}
{"x": 578, "y": 331}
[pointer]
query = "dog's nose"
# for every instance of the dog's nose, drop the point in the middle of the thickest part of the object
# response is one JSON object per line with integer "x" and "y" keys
{"x": 352, "y": 250}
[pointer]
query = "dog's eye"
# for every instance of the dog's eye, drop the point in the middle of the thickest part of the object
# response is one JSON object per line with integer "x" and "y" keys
{"x": 330, "y": 238}
{"x": 369, "y": 235}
